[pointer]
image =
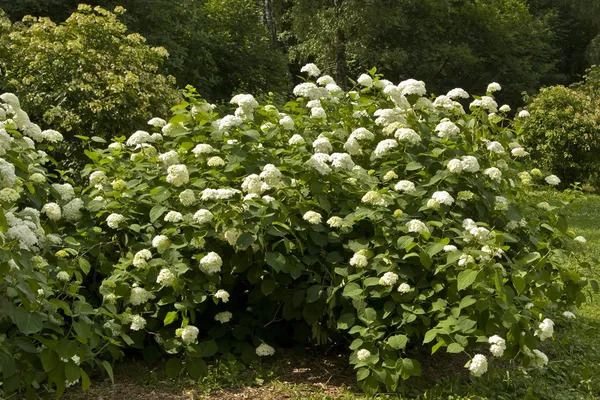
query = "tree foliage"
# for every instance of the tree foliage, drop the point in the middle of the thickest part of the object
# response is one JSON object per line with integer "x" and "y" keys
{"x": 86, "y": 76}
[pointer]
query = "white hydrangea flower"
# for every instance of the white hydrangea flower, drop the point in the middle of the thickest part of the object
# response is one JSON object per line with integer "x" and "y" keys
{"x": 496, "y": 147}
{"x": 465, "y": 259}
{"x": 296, "y": 140}
{"x": 187, "y": 197}
{"x": 189, "y": 334}
{"x": 138, "y": 138}
{"x": 552, "y": 180}
{"x": 365, "y": 80}
{"x": 352, "y": 146}
{"x": 71, "y": 210}
{"x": 9, "y": 195}
{"x": 202, "y": 149}
{"x": 312, "y": 217}
{"x": 271, "y": 175}
{"x": 416, "y": 226}
{"x": 388, "y": 279}
{"x": 264, "y": 350}
{"x": 404, "y": 186}
{"x": 137, "y": 323}
{"x": 390, "y": 175}
{"x": 376, "y": 199}
{"x": 52, "y": 136}
{"x": 524, "y": 114}
{"x": 11, "y": 99}
{"x": 505, "y": 108}
{"x": 359, "y": 260}
{"x": 322, "y": 145}
{"x": 203, "y": 216}
{"x": 222, "y": 295}
{"x": 465, "y": 195}
{"x": 325, "y": 80}
{"x": 498, "y": 345}
{"x": 211, "y": 263}
{"x": 335, "y": 222}
{"x": 232, "y": 235}
{"x": 447, "y": 129}
{"x": 65, "y": 191}
{"x": 228, "y": 122}
{"x": 519, "y": 152}
{"x": 455, "y": 166}
{"x": 494, "y": 174}
{"x": 219, "y": 194}
{"x": 52, "y": 211}
{"x": 479, "y": 365}
{"x": 545, "y": 329}
{"x": 169, "y": 158}
{"x": 450, "y": 248}
{"x": 223, "y": 317}
{"x": 318, "y": 113}
{"x": 310, "y": 90}
{"x": 253, "y": 184}
{"x": 457, "y": 93}
{"x": 311, "y": 69}
{"x": 139, "y": 296}
{"x": 363, "y": 354}
{"x": 157, "y": 122}
{"x": 178, "y": 175}
{"x": 580, "y": 239}
{"x": 442, "y": 197}
{"x": 568, "y": 315}
{"x": 114, "y": 219}
{"x": 141, "y": 257}
{"x": 404, "y": 288}
{"x": 287, "y": 123}
{"x": 161, "y": 243}
{"x": 341, "y": 161}
{"x": 215, "y": 161}
{"x": 173, "y": 216}
{"x": 407, "y": 135}
{"x": 384, "y": 147}
{"x": 166, "y": 277}
{"x": 412, "y": 86}
{"x": 362, "y": 134}
{"x": 493, "y": 87}
{"x": 63, "y": 276}
{"x": 469, "y": 164}
{"x": 539, "y": 359}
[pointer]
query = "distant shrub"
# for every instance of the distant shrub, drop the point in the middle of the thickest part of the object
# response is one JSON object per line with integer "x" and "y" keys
{"x": 86, "y": 76}
{"x": 563, "y": 131}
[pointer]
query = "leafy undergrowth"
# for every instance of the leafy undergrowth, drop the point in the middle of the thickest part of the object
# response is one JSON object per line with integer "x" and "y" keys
{"x": 572, "y": 373}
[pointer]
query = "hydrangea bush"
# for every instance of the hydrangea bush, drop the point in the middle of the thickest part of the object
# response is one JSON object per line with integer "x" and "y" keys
{"x": 381, "y": 218}
{"x": 49, "y": 328}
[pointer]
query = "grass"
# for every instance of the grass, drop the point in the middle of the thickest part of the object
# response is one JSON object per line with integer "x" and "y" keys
{"x": 572, "y": 373}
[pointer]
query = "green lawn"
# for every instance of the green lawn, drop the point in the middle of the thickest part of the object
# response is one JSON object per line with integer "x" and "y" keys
{"x": 572, "y": 373}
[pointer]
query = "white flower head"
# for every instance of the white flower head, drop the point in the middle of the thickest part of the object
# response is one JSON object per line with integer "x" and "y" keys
{"x": 222, "y": 295}
{"x": 580, "y": 239}
{"x": 388, "y": 279}
{"x": 312, "y": 217}
{"x": 524, "y": 114}
{"x": 166, "y": 277}
{"x": 493, "y": 87}
{"x": 311, "y": 69}
{"x": 211, "y": 263}
{"x": 416, "y": 226}
{"x": 494, "y": 174}
{"x": 359, "y": 260}
{"x": 114, "y": 220}
{"x": 363, "y": 354}
{"x": 498, "y": 345}
{"x": 189, "y": 334}
{"x": 545, "y": 329}
{"x": 552, "y": 180}
{"x": 365, "y": 80}
{"x": 296, "y": 140}
{"x": 447, "y": 130}
{"x": 264, "y": 350}
{"x": 479, "y": 365}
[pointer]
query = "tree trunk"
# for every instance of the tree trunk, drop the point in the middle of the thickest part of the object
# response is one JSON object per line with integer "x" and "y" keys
{"x": 269, "y": 20}
{"x": 341, "y": 69}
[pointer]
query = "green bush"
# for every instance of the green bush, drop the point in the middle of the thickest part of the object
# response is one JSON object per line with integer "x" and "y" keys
{"x": 374, "y": 219}
{"x": 86, "y": 76}
{"x": 563, "y": 131}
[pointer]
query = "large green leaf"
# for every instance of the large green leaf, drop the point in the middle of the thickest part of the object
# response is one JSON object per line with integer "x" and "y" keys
{"x": 28, "y": 322}
{"x": 466, "y": 278}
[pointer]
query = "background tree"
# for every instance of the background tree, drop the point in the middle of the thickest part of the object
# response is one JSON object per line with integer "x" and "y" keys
{"x": 86, "y": 76}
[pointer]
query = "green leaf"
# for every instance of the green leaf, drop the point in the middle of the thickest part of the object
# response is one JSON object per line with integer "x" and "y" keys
{"x": 109, "y": 371}
{"x": 454, "y": 348}
{"x": 209, "y": 348}
{"x": 398, "y": 342}
{"x": 466, "y": 278}
{"x": 352, "y": 290}
{"x": 313, "y": 293}
{"x": 275, "y": 261}
{"x": 346, "y": 321}
{"x": 404, "y": 242}
{"x": 156, "y": 212}
{"x": 430, "y": 335}
{"x": 174, "y": 367}
{"x": 196, "y": 368}
{"x": 518, "y": 283}
{"x": 98, "y": 139}
{"x": 85, "y": 381}
{"x": 84, "y": 265}
{"x": 171, "y": 317}
{"x": 72, "y": 372}
{"x": 245, "y": 239}
{"x": 410, "y": 368}
{"x": 362, "y": 374}
{"x": 414, "y": 166}
{"x": 28, "y": 322}
{"x": 267, "y": 286}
